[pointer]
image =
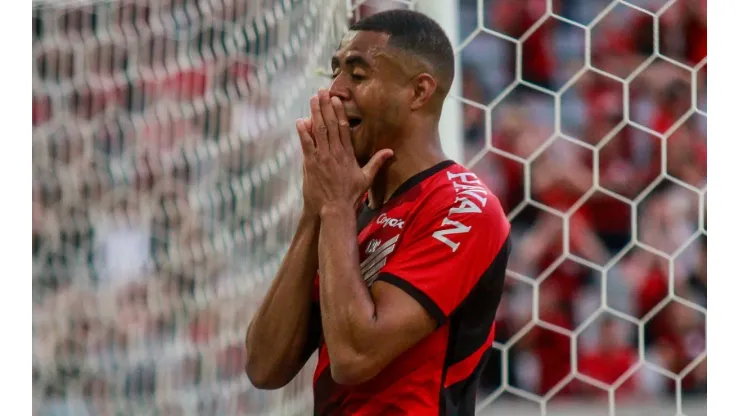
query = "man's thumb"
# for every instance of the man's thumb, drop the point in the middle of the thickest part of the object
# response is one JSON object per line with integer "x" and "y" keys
{"x": 376, "y": 162}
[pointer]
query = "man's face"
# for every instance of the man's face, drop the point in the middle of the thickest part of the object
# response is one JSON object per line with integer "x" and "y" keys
{"x": 369, "y": 80}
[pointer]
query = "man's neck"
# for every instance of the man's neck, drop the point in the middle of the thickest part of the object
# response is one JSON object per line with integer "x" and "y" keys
{"x": 407, "y": 161}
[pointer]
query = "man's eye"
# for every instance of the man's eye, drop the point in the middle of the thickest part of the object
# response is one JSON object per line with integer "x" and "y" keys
{"x": 358, "y": 77}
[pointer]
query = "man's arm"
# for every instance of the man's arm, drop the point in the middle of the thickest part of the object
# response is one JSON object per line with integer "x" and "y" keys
{"x": 364, "y": 329}
{"x": 285, "y": 330}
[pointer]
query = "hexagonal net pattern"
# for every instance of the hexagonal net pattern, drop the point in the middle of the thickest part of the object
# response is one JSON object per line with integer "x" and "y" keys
{"x": 167, "y": 183}
{"x": 588, "y": 120}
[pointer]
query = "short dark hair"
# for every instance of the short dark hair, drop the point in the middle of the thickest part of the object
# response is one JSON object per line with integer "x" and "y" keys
{"x": 417, "y": 34}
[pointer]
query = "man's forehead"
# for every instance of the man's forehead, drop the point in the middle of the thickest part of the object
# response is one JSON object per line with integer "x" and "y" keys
{"x": 363, "y": 42}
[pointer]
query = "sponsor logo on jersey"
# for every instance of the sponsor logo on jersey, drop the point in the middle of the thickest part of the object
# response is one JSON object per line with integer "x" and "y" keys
{"x": 389, "y": 222}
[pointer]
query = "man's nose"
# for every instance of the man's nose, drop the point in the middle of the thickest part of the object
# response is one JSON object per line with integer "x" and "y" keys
{"x": 339, "y": 89}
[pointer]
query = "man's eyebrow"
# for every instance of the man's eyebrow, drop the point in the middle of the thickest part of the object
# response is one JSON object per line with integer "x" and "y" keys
{"x": 352, "y": 60}
{"x": 357, "y": 60}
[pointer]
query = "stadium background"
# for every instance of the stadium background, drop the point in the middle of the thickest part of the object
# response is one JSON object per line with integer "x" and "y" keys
{"x": 166, "y": 184}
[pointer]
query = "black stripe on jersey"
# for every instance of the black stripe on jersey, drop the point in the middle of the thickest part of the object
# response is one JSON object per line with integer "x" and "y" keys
{"x": 470, "y": 325}
{"x": 417, "y": 294}
{"x": 459, "y": 398}
{"x": 476, "y": 313}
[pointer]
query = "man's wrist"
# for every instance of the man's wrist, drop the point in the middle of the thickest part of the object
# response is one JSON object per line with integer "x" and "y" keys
{"x": 309, "y": 217}
{"x": 337, "y": 210}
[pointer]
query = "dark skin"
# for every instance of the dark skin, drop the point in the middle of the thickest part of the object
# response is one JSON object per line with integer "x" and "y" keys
{"x": 399, "y": 106}
{"x": 277, "y": 335}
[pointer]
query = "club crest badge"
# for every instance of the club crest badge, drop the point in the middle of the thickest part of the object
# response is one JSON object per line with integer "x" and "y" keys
{"x": 372, "y": 246}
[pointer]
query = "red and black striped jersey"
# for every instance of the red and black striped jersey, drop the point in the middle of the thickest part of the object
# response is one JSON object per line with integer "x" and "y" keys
{"x": 443, "y": 238}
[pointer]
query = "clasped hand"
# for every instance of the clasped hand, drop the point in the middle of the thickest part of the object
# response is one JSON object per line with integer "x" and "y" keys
{"x": 332, "y": 177}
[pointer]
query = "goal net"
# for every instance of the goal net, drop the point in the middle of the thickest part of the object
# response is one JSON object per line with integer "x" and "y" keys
{"x": 166, "y": 188}
{"x": 166, "y": 180}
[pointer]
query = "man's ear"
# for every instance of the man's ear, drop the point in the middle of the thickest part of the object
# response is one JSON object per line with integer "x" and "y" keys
{"x": 424, "y": 88}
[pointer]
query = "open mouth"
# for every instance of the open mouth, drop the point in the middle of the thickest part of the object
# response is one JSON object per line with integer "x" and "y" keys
{"x": 354, "y": 122}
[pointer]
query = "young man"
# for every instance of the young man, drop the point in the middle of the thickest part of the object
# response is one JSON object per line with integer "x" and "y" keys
{"x": 398, "y": 262}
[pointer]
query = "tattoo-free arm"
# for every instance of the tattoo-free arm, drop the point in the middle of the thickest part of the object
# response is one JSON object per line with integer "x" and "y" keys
{"x": 285, "y": 330}
{"x": 364, "y": 329}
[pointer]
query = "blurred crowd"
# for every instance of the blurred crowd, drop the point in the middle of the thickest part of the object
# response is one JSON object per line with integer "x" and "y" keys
{"x": 166, "y": 184}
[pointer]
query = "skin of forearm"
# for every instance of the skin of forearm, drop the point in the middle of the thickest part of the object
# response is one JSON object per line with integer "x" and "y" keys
{"x": 277, "y": 333}
{"x": 347, "y": 308}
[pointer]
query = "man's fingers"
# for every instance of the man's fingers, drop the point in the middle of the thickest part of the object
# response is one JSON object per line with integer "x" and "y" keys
{"x": 376, "y": 162}
{"x": 307, "y": 142}
{"x": 330, "y": 119}
{"x": 319, "y": 127}
{"x": 344, "y": 133}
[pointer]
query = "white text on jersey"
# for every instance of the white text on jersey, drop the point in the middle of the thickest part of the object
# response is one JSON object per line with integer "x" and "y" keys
{"x": 390, "y": 222}
{"x": 465, "y": 205}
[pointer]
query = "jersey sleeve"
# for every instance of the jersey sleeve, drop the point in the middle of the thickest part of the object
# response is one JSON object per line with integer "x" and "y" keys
{"x": 444, "y": 254}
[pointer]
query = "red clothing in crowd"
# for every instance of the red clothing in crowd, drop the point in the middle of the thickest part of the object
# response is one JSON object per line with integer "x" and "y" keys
{"x": 553, "y": 350}
{"x": 608, "y": 365}
{"x": 514, "y": 18}
{"x": 652, "y": 290}
{"x": 512, "y": 171}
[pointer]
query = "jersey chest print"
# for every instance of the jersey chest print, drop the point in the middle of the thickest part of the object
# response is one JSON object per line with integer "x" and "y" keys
{"x": 378, "y": 242}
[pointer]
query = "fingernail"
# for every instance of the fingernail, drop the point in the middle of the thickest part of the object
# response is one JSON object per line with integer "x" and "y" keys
{"x": 336, "y": 101}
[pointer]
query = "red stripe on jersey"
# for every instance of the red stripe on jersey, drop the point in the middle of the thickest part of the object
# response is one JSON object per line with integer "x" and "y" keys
{"x": 462, "y": 370}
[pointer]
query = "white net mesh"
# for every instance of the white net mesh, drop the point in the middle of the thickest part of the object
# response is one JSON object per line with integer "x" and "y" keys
{"x": 166, "y": 187}
{"x": 588, "y": 120}
{"x": 166, "y": 183}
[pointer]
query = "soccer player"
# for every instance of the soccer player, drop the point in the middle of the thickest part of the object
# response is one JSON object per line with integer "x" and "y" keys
{"x": 397, "y": 265}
